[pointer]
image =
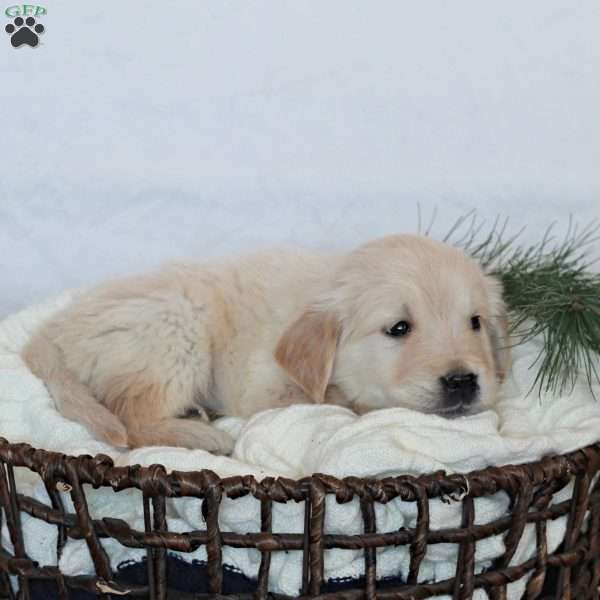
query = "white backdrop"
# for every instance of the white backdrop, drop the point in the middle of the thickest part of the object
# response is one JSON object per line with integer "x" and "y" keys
{"x": 143, "y": 131}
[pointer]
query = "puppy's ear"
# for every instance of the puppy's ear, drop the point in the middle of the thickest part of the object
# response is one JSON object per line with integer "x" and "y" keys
{"x": 499, "y": 329}
{"x": 307, "y": 351}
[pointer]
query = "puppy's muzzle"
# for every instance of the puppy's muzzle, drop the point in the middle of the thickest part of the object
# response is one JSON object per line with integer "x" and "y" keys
{"x": 459, "y": 391}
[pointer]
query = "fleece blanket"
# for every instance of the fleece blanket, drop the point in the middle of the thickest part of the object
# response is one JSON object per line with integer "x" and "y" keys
{"x": 300, "y": 440}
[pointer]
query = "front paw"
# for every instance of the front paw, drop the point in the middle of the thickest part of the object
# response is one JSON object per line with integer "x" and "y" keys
{"x": 219, "y": 442}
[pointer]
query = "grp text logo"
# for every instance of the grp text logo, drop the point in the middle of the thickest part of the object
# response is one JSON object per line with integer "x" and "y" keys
{"x": 25, "y": 28}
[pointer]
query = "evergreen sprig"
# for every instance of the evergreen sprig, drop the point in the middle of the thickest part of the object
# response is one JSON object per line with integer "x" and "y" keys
{"x": 550, "y": 292}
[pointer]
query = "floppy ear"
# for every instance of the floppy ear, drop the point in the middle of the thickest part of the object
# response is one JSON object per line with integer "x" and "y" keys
{"x": 498, "y": 329}
{"x": 307, "y": 351}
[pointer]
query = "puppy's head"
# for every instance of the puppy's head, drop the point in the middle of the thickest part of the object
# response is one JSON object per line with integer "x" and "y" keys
{"x": 406, "y": 321}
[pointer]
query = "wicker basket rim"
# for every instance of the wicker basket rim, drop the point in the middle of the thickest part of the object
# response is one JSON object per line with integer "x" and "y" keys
{"x": 99, "y": 471}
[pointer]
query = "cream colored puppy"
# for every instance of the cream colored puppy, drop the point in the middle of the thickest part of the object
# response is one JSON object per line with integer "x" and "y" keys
{"x": 402, "y": 321}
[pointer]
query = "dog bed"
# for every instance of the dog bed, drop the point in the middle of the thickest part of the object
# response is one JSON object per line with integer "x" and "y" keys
{"x": 292, "y": 444}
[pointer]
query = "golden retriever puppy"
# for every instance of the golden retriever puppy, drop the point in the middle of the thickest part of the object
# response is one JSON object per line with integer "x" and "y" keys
{"x": 401, "y": 321}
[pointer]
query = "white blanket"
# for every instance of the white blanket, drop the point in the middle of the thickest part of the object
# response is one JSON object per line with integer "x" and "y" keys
{"x": 301, "y": 440}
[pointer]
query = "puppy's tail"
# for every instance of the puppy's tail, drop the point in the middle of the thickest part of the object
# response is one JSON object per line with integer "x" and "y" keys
{"x": 73, "y": 399}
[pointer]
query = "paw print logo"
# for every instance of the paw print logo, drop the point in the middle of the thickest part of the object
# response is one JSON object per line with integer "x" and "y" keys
{"x": 24, "y": 32}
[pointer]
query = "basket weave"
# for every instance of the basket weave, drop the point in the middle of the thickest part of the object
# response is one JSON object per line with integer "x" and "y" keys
{"x": 574, "y": 568}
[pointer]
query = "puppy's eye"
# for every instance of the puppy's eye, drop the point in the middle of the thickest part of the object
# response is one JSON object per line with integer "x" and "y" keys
{"x": 399, "y": 329}
{"x": 476, "y": 323}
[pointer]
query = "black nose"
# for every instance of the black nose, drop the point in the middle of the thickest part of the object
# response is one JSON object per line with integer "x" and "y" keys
{"x": 457, "y": 381}
{"x": 460, "y": 387}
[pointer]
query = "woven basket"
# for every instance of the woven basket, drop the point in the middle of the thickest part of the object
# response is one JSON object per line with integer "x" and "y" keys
{"x": 572, "y": 572}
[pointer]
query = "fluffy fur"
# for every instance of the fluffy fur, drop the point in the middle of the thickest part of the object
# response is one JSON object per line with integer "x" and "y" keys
{"x": 132, "y": 358}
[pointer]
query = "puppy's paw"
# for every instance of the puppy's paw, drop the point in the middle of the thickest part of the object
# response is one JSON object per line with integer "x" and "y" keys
{"x": 183, "y": 433}
{"x": 219, "y": 442}
{"x": 118, "y": 438}
{"x": 112, "y": 431}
